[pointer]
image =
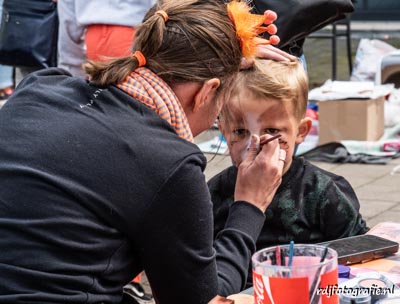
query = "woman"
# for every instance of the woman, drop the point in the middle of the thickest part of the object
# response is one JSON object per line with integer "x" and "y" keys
{"x": 101, "y": 180}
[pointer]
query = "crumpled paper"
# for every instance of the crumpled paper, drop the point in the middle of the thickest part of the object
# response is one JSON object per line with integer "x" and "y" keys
{"x": 336, "y": 90}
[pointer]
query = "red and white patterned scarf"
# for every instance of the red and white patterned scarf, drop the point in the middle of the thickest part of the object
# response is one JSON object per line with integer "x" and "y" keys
{"x": 145, "y": 86}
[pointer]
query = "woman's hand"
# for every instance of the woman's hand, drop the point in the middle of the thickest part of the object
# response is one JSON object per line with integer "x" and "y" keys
{"x": 260, "y": 173}
{"x": 242, "y": 298}
{"x": 233, "y": 299}
{"x": 221, "y": 300}
{"x": 267, "y": 51}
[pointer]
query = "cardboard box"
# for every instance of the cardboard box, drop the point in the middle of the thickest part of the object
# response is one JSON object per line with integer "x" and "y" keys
{"x": 351, "y": 119}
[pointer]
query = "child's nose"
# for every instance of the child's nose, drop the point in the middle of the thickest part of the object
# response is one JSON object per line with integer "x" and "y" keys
{"x": 246, "y": 149}
{"x": 247, "y": 145}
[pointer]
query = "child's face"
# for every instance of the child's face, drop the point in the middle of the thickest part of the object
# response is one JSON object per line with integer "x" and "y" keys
{"x": 262, "y": 116}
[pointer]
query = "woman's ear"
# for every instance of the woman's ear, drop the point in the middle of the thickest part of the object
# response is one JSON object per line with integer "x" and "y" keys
{"x": 303, "y": 129}
{"x": 205, "y": 94}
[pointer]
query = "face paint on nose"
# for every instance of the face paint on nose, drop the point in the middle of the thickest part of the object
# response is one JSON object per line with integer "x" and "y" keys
{"x": 262, "y": 143}
{"x": 253, "y": 125}
{"x": 244, "y": 152}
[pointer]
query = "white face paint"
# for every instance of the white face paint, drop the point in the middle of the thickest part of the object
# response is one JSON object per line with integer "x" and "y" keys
{"x": 253, "y": 124}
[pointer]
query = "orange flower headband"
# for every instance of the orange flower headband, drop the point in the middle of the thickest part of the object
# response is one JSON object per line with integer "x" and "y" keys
{"x": 249, "y": 26}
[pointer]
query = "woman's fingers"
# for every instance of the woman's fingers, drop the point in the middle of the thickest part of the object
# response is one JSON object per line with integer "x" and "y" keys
{"x": 253, "y": 148}
{"x": 268, "y": 51}
{"x": 221, "y": 300}
{"x": 282, "y": 159}
{"x": 270, "y": 16}
{"x": 260, "y": 174}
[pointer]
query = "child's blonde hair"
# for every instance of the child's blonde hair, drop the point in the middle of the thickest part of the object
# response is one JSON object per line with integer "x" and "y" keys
{"x": 281, "y": 80}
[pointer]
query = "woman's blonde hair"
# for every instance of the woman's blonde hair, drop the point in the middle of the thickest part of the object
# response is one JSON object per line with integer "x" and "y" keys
{"x": 281, "y": 80}
{"x": 197, "y": 42}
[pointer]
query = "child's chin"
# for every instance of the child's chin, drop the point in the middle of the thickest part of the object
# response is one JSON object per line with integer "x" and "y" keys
{"x": 286, "y": 167}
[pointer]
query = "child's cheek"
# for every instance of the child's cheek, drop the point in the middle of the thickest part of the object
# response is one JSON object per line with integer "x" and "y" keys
{"x": 284, "y": 145}
{"x": 238, "y": 152}
{"x": 245, "y": 149}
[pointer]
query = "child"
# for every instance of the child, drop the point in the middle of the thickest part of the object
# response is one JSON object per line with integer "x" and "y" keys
{"x": 311, "y": 205}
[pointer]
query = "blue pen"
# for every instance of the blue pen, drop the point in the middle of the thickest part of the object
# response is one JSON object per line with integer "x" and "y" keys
{"x": 291, "y": 252}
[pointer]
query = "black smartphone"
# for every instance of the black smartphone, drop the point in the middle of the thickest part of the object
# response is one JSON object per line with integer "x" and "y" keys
{"x": 362, "y": 248}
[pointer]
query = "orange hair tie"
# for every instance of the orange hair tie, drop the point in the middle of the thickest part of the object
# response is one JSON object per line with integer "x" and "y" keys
{"x": 140, "y": 58}
{"x": 162, "y": 14}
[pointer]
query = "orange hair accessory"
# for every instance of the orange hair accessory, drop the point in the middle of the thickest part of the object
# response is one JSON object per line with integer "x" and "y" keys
{"x": 140, "y": 58}
{"x": 163, "y": 14}
{"x": 249, "y": 26}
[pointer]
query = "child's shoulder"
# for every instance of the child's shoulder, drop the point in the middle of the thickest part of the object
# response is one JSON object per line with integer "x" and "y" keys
{"x": 312, "y": 173}
{"x": 228, "y": 173}
{"x": 224, "y": 182}
{"x": 316, "y": 182}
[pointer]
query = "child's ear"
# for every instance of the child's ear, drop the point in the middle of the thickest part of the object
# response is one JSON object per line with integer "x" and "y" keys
{"x": 303, "y": 129}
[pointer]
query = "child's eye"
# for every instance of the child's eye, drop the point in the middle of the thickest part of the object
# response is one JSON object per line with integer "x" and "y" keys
{"x": 240, "y": 132}
{"x": 271, "y": 131}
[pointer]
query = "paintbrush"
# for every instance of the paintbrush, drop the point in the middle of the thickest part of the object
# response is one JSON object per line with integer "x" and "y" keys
{"x": 265, "y": 141}
{"x": 314, "y": 295}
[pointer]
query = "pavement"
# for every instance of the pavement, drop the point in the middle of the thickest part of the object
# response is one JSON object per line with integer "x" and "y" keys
{"x": 373, "y": 27}
{"x": 377, "y": 186}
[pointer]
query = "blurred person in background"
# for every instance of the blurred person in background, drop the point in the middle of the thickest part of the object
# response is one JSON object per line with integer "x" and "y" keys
{"x": 6, "y": 73}
{"x": 96, "y": 30}
{"x": 6, "y": 82}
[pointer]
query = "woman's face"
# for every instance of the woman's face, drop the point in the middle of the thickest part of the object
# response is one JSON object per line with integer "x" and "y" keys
{"x": 260, "y": 116}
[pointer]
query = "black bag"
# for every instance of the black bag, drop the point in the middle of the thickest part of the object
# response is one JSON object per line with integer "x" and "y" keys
{"x": 28, "y": 33}
{"x": 299, "y": 18}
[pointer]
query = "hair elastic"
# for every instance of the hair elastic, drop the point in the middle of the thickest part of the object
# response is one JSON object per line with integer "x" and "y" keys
{"x": 162, "y": 14}
{"x": 140, "y": 58}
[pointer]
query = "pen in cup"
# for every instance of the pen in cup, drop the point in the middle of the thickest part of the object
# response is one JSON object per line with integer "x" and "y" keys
{"x": 291, "y": 252}
{"x": 314, "y": 296}
{"x": 278, "y": 259}
{"x": 278, "y": 255}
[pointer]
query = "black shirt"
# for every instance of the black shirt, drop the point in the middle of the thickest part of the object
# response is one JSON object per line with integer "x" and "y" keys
{"x": 310, "y": 206}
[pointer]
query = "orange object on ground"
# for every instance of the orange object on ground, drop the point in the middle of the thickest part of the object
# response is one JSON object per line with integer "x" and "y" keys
{"x": 6, "y": 93}
{"x": 138, "y": 278}
{"x": 105, "y": 41}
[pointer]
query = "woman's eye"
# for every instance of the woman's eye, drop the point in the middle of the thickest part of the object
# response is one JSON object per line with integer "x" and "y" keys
{"x": 271, "y": 131}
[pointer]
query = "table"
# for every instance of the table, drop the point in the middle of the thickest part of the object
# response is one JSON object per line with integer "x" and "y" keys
{"x": 387, "y": 266}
